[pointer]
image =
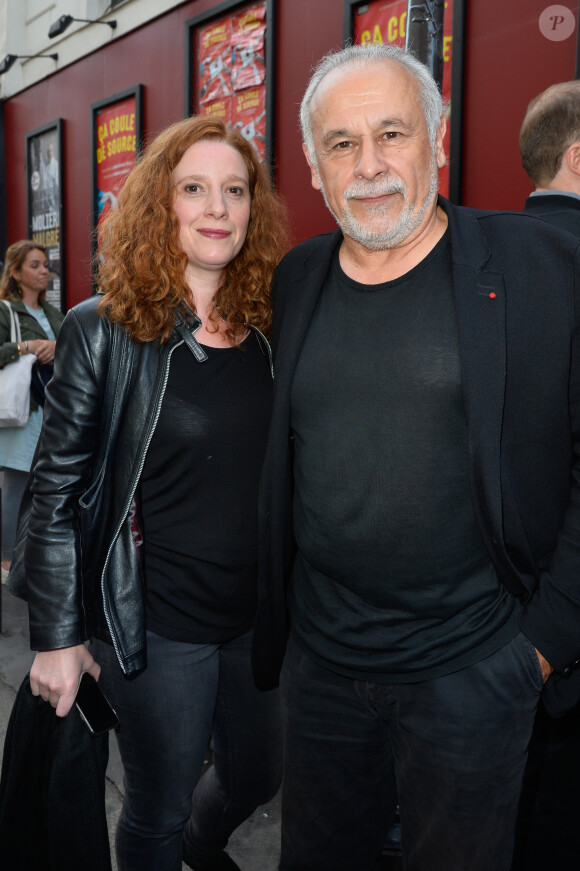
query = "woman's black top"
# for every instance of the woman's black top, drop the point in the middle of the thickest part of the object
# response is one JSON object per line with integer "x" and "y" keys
{"x": 199, "y": 494}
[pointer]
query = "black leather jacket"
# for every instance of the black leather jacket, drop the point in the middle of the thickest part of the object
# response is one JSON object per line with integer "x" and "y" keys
{"x": 81, "y": 555}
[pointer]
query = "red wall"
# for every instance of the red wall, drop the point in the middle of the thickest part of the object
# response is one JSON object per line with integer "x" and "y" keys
{"x": 306, "y": 31}
{"x": 507, "y": 61}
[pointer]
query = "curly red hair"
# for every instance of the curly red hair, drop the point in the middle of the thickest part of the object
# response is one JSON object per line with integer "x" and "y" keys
{"x": 141, "y": 265}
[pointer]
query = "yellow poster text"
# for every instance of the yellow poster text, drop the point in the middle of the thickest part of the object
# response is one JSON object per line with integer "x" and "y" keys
{"x": 49, "y": 238}
{"x": 248, "y": 100}
{"x": 396, "y": 28}
{"x": 119, "y": 145}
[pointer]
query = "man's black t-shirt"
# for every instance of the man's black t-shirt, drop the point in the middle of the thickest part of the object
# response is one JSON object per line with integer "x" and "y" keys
{"x": 392, "y": 580}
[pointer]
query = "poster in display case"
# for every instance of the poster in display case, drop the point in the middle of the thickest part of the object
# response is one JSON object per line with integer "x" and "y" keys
{"x": 230, "y": 69}
{"x": 116, "y": 133}
{"x": 45, "y": 202}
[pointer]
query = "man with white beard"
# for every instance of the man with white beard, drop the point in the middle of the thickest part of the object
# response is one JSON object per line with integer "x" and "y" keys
{"x": 420, "y": 516}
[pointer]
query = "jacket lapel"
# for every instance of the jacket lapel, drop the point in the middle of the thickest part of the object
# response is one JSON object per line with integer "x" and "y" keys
{"x": 302, "y": 295}
{"x": 480, "y": 304}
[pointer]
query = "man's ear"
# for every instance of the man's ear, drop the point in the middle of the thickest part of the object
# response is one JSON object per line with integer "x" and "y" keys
{"x": 572, "y": 158}
{"x": 439, "y": 150}
{"x": 315, "y": 181}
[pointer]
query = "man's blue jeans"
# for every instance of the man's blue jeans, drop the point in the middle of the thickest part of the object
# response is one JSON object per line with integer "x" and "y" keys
{"x": 167, "y": 714}
{"x": 455, "y": 747}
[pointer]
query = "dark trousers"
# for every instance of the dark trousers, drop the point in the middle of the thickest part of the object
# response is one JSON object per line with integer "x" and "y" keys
{"x": 187, "y": 693}
{"x": 547, "y": 833}
{"x": 454, "y": 747}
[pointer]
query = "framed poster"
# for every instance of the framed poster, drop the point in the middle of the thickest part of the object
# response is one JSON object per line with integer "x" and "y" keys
{"x": 116, "y": 134}
{"x": 230, "y": 68}
{"x": 385, "y": 21}
{"x": 44, "y": 202}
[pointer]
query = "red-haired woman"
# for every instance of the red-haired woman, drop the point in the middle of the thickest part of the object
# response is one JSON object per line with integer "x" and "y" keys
{"x": 143, "y": 522}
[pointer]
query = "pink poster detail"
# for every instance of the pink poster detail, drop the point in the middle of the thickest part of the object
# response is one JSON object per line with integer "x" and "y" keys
{"x": 248, "y": 48}
{"x": 215, "y": 49}
{"x": 249, "y": 116}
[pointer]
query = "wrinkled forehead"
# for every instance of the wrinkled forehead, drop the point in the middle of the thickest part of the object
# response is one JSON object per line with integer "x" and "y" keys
{"x": 380, "y": 90}
{"x": 356, "y": 100}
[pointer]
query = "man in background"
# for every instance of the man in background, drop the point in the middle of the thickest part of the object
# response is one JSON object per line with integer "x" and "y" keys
{"x": 547, "y": 834}
{"x": 550, "y": 149}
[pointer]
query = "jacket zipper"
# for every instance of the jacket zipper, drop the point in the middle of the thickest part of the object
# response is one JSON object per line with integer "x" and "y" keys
{"x": 268, "y": 348}
{"x": 130, "y": 500}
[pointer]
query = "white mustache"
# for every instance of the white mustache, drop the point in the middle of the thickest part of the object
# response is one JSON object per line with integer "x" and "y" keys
{"x": 373, "y": 189}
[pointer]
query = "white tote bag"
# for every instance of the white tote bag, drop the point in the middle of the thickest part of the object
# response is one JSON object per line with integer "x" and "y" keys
{"x": 15, "y": 381}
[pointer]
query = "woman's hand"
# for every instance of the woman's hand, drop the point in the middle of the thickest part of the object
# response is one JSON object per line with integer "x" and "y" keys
{"x": 55, "y": 675}
{"x": 43, "y": 348}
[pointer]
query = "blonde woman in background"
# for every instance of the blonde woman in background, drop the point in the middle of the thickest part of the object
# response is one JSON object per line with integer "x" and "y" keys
{"x": 25, "y": 277}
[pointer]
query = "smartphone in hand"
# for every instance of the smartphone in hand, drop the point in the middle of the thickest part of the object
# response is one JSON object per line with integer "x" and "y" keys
{"x": 95, "y": 709}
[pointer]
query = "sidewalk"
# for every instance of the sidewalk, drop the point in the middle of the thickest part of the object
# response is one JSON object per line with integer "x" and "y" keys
{"x": 254, "y": 845}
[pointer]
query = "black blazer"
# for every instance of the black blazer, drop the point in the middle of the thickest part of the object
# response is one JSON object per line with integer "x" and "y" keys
{"x": 516, "y": 283}
{"x": 559, "y": 209}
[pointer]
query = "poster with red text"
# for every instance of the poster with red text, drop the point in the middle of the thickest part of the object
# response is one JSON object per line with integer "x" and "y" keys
{"x": 116, "y": 149}
{"x": 232, "y": 72}
{"x": 381, "y": 21}
{"x": 385, "y": 21}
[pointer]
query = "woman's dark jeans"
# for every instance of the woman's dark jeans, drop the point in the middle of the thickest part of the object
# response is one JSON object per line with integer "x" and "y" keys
{"x": 167, "y": 714}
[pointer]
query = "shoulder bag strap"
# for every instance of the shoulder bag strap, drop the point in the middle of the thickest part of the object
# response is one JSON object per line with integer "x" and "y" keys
{"x": 14, "y": 323}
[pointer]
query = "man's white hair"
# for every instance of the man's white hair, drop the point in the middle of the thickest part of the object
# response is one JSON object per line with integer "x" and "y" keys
{"x": 357, "y": 56}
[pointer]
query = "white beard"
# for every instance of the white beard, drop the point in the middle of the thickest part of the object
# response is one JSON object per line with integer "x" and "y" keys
{"x": 397, "y": 229}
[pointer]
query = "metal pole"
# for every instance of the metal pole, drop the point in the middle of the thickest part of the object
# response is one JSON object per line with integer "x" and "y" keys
{"x": 425, "y": 34}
